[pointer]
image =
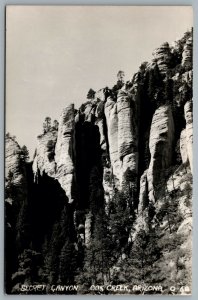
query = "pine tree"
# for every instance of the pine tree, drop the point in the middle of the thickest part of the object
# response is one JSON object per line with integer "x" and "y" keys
{"x": 67, "y": 263}
{"x": 145, "y": 252}
{"x": 55, "y": 125}
{"x": 27, "y": 273}
{"x": 98, "y": 255}
{"x": 24, "y": 154}
{"x": 91, "y": 94}
{"x": 23, "y": 228}
{"x": 47, "y": 125}
{"x": 120, "y": 220}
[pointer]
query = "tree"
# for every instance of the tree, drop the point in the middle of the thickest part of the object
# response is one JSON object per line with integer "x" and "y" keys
{"x": 7, "y": 135}
{"x": 55, "y": 125}
{"x": 67, "y": 263}
{"x": 143, "y": 67}
{"x": 98, "y": 255}
{"x": 121, "y": 220}
{"x": 145, "y": 252}
{"x": 27, "y": 272}
{"x": 91, "y": 94}
{"x": 23, "y": 227}
{"x": 58, "y": 251}
{"x": 120, "y": 76}
{"x": 47, "y": 125}
{"x": 24, "y": 154}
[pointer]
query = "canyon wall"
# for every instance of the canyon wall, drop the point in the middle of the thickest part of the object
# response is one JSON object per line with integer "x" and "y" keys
{"x": 124, "y": 155}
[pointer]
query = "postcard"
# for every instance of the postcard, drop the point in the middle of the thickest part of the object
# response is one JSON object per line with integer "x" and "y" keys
{"x": 98, "y": 150}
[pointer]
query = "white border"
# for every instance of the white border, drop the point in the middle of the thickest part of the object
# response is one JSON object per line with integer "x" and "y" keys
{"x": 194, "y": 3}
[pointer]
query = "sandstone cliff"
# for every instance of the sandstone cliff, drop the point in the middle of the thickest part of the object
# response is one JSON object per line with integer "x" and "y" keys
{"x": 55, "y": 152}
{"x": 115, "y": 178}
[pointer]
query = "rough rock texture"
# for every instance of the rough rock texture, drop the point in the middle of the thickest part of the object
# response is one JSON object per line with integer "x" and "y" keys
{"x": 187, "y": 77}
{"x": 88, "y": 222}
{"x": 127, "y": 133}
{"x": 14, "y": 167}
{"x": 122, "y": 134}
{"x": 112, "y": 125}
{"x": 179, "y": 184}
{"x": 160, "y": 145}
{"x": 64, "y": 151}
{"x": 183, "y": 146}
{"x": 55, "y": 152}
{"x": 143, "y": 195}
{"x": 187, "y": 53}
{"x": 162, "y": 56}
{"x": 126, "y": 139}
{"x": 99, "y": 95}
{"x": 99, "y": 114}
{"x": 44, "y": 158}
{"x": 189, "y": 131}
{"x": 124, "y": 161}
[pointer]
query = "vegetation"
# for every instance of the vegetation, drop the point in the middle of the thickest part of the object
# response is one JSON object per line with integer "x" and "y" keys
{"x": 91, "y": 94}
{"x": 48, "y": 126}
{"x": 25, "y": 154}
{"x": 91, "y": 242}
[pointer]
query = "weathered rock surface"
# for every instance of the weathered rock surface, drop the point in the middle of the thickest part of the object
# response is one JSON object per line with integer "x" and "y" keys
{"x": 44, "y": 158}
{"x": 143, "y": 195}
{"x": 127, "y": 133}
{"x": 187, "y": 77}
{"x": 55, "y": 152}
{"x": 122, "y": 134}
{"x": 162, "y": 56}
{"x": 64, "y": 151}
{"x": 112, "y": 125}
{"x": 99, "y": 114}
{"x": 14, "y": 169}
{"x": 15, "y": 189}
{"x": 119, "y": 152}
{"x": 183, "y": 146}
{"x": 88, "y": 222}
{"x": 189, "y": 131}
{"x": 160, "y": 145}
{"x": 187, "y": 53}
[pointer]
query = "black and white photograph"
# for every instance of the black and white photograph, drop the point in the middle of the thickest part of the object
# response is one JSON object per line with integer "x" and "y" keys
{"x": 98, "y": 150}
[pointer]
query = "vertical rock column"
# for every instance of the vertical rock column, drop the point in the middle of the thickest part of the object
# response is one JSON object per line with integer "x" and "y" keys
{"x": 44, "y": 159}
{"x": 64, "y": 151}
{"x": 189, "y": 131}
{"x": 127, "y": 135}
{"x": 160, "y": 145}
{"x": 88, "y": 222}
{"x": 183, "y": 146}
{"x": 112, "y": 125}
{"x": 162, "y": 56}
{"x": 187, "y": 53}
{"x": 122, "y": 136}
{"x": 14, "y": 166}
{"x": 99, "y": 114}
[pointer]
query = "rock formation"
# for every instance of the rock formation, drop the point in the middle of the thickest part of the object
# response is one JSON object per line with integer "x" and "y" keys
{"x": 64, "y": 151}
{"x": 162, "y": 56}
{"x": 183, "y": 146}
{"x": 116, "y": 174}
{"x": 189, "y": 130}
{"x": 160, "y": 145}
{"x": 187, "y": 53}
{"x": 55, "y": 152}
{"x": 112, "y": 124}
{"x": 44, "y": 155}
{"x": 14, "y": 166}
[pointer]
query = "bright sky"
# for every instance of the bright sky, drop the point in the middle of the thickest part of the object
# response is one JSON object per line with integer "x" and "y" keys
{"x": 55, "y": 54}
